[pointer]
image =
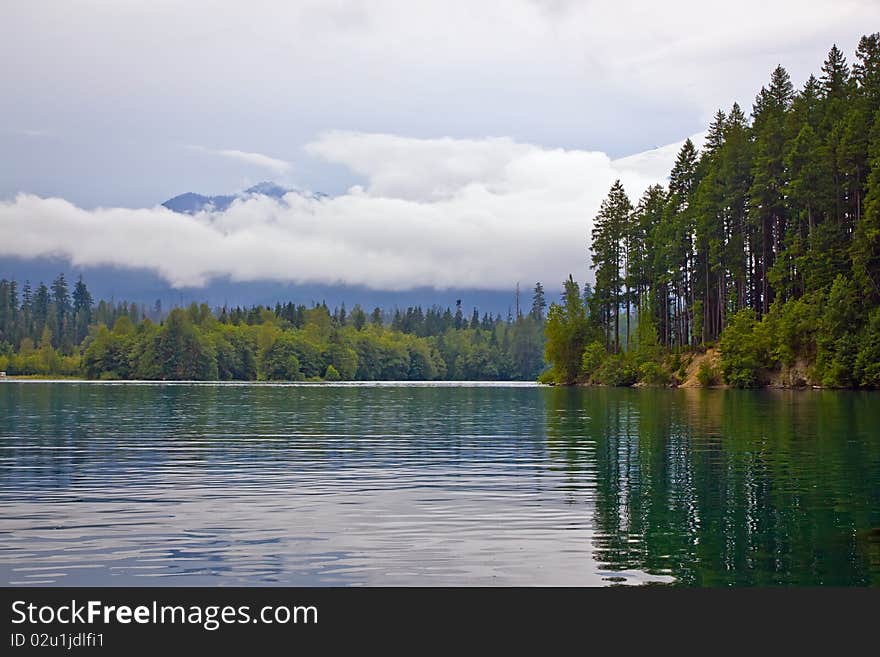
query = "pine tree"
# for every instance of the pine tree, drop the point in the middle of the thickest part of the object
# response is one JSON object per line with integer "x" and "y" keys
{"x": 608, "y": 260}
{"x": 641, "y": 245}
{"x": 678, "y": 228}
{"x": 866, "y": 70}
{"x": 538, "y": 302}
{"x": 41, "y": 310}
{"x": 715, "y": 135}
{"x": 835, "y": 74}
{"x": 767, "y": 203}
{"x": 358, "y": 317}
{"x": 865, "y": 249}
{"x": 82, "y": 310}
{"x": 61, "y": 305}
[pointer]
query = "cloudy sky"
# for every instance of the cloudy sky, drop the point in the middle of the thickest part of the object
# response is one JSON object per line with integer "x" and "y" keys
{"x": 462, "y": 143}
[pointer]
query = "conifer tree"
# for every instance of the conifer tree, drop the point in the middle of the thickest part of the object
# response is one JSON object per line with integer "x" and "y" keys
{"x": 608, "y": 260}
{"x": 538, "y": 302}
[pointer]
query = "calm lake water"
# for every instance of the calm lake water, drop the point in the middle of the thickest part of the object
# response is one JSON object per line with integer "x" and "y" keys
{"x": 407, "y": 484}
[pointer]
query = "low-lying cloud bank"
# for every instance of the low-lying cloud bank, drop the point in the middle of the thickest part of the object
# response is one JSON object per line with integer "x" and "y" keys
{"x": 443, "y": 213}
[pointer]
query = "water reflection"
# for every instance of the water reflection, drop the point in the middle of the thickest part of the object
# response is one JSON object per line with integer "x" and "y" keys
{"x": 303, "y": 485}
{"x": 728, "y": 487}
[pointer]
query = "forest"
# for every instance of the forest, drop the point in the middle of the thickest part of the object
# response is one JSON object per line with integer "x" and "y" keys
{"x": 50, "y": 331}
{"x": 762, "y": 250}
{"x": 756, "y": 263}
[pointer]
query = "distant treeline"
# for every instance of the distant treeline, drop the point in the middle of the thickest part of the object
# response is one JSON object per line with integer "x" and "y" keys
{"x": 49, "y": 331}
{"x": 766, "y": 244}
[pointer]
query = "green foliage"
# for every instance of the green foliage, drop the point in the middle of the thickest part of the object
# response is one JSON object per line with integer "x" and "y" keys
{"x": 332, "y": 374}
{"x": 767, "y": 240}
{"x": 422, "y": 365}
{"x": 617, "y": 370}
{"x": 653, "y": 373}
{"x": 794, "y": 327}
{"x": 236, "y": 354}
{"x": 707, "y": 375}
{"x": 744, "y": 350}
{"x": 343, "y": 358}
{"x": 566, "y": 334}
{"x": 681, "y": 370}
{"x": 592, "y": 358}
{"x": 865, "y": 248}
{"x": 183, "y": 352}
{"x": 547, "y": 377}
{"x": 838, "y": 340}
{"x": 143, "y": 356}
{"x": 611, "y": 227}
{"x": 647, "y": 344}
{"x": 280, "y": 362}
{"x": 867, "y": 366}
{"x": 289, "y": 343}
{"x": 108, "y": 354}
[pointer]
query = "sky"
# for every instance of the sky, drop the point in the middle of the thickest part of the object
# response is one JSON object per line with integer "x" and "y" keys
{"x": 461, "y": 143}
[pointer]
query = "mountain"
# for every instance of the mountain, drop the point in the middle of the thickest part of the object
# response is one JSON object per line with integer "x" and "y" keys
{"x": 269, "y": 189}
{"x": 146, "y": 286}
{"x": 190, "y": 202}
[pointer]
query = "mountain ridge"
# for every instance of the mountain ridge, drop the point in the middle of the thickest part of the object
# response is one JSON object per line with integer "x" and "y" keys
{"x": 192, "y": 202}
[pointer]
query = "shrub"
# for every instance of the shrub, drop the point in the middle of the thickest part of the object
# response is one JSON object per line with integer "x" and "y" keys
{"x": 744, "y": 350}
{"x": 653, "y": 373}
{"x": 332, "y": 374}
{"x": 868, "y": 359}
{"x": 547, "y": 377}
{"x": 676, "y": 363}
{"x": 617, "y": 370}
{"x": 681, "y": 371}
{"x": 836, "y": 366}
{"x": 794, "y": 326}
{"x": 592, "y": 359}
{"x": 707, "y": 375}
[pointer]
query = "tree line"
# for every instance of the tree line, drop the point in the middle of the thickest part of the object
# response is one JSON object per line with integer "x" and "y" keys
{"x": 765, "y": 243}
{"x": 53, "y": 332}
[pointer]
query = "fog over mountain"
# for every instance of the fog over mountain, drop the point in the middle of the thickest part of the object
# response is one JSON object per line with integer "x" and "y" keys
{"x": 192, "y": 203}
{"x": 434, "y": 214}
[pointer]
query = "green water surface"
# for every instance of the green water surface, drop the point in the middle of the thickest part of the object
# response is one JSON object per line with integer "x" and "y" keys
{"x": 434, "y": 484}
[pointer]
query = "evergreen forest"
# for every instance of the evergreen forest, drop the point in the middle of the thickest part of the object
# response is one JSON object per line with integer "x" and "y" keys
{"x": 758, "y": 262}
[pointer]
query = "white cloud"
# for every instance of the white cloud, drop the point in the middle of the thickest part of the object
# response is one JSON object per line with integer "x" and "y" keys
{"x": 435, "y": 212}
{"x": 655, "y": 163}
{"x": 253, "y": 159}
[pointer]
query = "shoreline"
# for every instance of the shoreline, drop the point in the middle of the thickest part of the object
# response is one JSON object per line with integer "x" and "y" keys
{"x": 423, "y": 384}
{"x": 332, "y": 384}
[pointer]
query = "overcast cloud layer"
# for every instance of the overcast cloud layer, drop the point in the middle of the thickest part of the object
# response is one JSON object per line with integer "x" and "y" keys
{"x": 434, "y": 212}
{"x": 100, "y": 99}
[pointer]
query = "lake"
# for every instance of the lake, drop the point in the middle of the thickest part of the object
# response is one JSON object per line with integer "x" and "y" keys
{"x": 126, "y": 484}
